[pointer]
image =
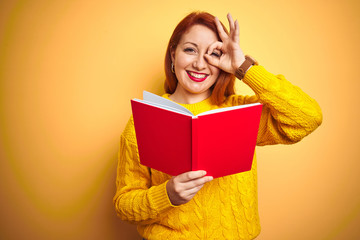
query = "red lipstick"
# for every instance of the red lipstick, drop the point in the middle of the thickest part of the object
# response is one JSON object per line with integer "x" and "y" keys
{"x": 196, "y": 79}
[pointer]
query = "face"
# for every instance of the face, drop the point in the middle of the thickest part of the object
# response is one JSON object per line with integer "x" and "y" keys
{"x": 194, "y": 74}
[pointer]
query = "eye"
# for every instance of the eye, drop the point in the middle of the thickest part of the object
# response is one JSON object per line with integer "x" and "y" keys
{"x": 216, "y": 53}
{"x": 189, "y": 50}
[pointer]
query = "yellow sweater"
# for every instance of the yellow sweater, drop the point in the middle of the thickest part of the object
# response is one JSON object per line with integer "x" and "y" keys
{"x": 227, "y": 207}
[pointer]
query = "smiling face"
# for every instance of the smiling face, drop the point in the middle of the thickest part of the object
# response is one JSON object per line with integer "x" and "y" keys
{"x": 194, "y": 74}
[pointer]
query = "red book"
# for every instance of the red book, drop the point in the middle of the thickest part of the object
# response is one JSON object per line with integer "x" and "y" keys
{"x": 172, "y": 140}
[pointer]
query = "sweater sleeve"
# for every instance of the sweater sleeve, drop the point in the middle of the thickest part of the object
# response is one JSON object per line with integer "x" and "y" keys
{"x": 136, "y": 200}
{"x": 288, "y": 113}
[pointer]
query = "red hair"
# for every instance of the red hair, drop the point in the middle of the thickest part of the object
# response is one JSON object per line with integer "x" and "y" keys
{"x": 224, "y": 85}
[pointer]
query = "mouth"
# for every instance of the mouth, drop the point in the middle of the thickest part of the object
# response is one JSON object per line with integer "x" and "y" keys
{"x": 197, "y": 77}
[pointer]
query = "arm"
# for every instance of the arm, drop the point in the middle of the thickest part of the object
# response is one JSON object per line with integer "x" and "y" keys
{"x": 288, "y": 114}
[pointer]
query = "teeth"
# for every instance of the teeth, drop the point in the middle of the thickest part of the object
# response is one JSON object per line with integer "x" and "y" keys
{"x": 196, "y": 75}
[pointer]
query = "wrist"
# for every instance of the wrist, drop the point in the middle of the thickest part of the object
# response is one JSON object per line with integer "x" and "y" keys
{"x": 244, "y": 67}
{"x": 237, "y": 64}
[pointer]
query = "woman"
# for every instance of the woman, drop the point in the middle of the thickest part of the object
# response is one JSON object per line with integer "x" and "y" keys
{"x": 200, "y": 64}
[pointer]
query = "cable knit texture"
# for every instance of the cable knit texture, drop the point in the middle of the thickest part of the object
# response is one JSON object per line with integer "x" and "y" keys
{"x": 227, "y": 207}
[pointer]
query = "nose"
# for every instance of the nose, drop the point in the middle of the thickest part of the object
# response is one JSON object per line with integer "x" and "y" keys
{"x": 200, "y": 62}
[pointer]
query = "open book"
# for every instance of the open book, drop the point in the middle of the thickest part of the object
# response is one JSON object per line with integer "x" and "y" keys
{"x": 172, "y": 140}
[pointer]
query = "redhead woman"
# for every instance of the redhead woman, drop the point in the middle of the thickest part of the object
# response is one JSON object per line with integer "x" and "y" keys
{"x": 201, "y": 63}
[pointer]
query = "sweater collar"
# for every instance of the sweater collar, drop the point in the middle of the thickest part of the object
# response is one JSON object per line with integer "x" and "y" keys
{"x": 195, "y": 108}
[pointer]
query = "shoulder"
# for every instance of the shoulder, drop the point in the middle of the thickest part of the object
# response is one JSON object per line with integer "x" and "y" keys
{"x": 235, "y": 100}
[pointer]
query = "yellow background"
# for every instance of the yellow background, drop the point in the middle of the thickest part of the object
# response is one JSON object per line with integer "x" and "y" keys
{"x": 68, "y": 69}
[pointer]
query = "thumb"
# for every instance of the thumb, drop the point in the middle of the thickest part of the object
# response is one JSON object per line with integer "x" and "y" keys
{"x": 212, "y": 60}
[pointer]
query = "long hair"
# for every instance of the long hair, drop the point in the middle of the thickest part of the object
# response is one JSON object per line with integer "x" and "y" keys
{"x": 224, "y": 85}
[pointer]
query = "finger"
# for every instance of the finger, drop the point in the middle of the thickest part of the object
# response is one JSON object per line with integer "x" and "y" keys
{"x": 191, "y": 175}
{"x": 220, "y": 29}
{"x": 197, "y": 182}
{"x": 213, "y": 46}
{"x": 195, "y": 185}
{"x": 215, "y": 61}
{"x": 192, "y": 191}
{"x": 231, "y": 23}
{"x": 237, "y": 32}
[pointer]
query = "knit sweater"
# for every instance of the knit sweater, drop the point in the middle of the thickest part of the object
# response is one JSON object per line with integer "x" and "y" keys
{"x": 226, "y": 207}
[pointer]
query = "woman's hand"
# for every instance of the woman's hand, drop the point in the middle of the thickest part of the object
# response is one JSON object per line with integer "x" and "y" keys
{"x": 232, "y": 56}
{"x": 183, "y": 187}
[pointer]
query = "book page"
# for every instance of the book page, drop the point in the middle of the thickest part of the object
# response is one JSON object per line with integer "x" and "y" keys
{"x": 167, "y": 108}
{"x": 165, "y": 103}
{"x": 228, "y": 109}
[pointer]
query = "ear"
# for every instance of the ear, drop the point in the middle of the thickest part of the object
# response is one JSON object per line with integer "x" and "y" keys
{"x": 172, "y": 54}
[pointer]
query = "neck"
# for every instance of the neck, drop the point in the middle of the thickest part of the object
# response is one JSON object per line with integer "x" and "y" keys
{"x": 188, "y": 97}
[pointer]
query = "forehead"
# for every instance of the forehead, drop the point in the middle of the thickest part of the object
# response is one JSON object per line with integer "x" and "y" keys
{"x": 198, "y": 34}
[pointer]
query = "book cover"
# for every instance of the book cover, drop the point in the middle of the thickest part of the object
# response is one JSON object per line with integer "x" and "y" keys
{"x": 172, "y": 140}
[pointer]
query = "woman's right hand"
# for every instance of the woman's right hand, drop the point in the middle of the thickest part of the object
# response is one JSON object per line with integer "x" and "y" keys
{"x": 183, "y": 187}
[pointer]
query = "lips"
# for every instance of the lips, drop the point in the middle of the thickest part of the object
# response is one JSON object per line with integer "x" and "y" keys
{"x": 197, "y": 77}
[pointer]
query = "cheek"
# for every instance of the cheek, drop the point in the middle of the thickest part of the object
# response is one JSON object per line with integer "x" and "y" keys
{"x": 180, "y": 63}
{"x": 181, "y": 60}
{"x": 215, "y": 72}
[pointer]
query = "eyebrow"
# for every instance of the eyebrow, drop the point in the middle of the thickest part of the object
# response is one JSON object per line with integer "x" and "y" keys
{"x": 191, "y": 43}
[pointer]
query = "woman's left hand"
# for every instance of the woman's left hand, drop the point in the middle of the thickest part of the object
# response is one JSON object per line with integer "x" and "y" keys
{"x": 232, "y": 56}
